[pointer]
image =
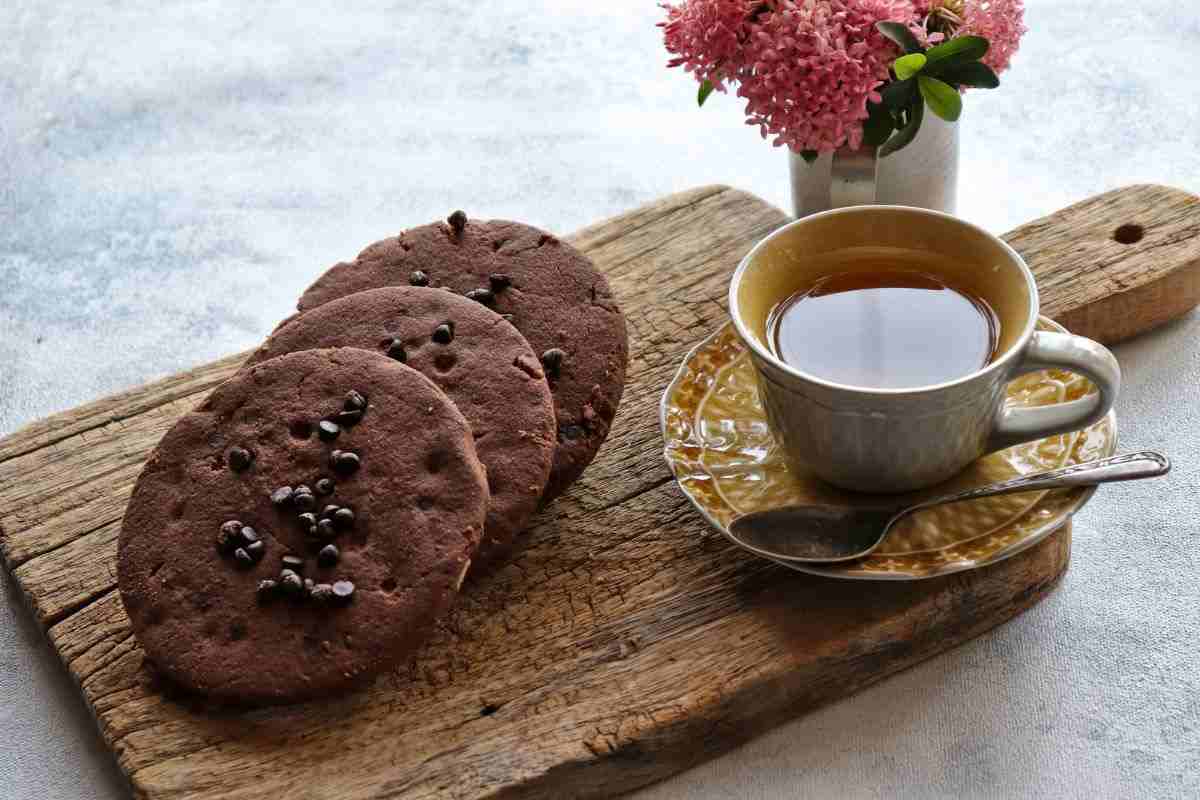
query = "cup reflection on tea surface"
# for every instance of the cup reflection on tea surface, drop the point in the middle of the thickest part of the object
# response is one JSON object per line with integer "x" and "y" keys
{"x": 895, "y": 326}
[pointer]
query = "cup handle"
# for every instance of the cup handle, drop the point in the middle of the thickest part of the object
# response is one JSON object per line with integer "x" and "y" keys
{"x": 1060, "y": 351}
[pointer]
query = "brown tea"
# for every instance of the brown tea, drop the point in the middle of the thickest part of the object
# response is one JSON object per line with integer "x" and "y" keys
{"x": 884, "y": 328}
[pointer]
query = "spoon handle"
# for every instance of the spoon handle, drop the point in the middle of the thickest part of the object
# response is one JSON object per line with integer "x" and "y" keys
{"x": 1128, "y": 467}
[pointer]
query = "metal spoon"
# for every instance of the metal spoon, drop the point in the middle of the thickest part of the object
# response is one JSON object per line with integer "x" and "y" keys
{"x": 824, "y": 534}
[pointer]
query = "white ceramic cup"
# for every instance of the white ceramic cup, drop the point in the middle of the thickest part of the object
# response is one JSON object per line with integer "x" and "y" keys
{"x": 894, "y": 440}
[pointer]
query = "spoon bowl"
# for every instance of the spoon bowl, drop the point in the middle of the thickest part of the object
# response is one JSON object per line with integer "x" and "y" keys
{"x": 813, "y": 534}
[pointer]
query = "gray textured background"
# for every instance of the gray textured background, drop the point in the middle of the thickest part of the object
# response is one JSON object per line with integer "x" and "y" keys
{"x": 172, "y": 175}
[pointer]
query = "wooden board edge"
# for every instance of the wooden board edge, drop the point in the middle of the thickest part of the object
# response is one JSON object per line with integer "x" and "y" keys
{"x": 1123, "y": 315}
{"x": 115, "y": 407}
{"x": 631, "y": 765}
{"x": 593, "y": 236}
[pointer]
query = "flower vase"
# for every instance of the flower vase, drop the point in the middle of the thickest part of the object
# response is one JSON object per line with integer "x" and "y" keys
{"x": 923, "y": 174}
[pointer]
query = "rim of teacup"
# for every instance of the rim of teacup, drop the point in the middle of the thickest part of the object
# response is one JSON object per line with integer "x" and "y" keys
{"x": 1002, "y": 363}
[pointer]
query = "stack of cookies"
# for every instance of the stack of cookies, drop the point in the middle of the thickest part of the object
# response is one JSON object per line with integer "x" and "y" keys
{"x": 307, "y": 525}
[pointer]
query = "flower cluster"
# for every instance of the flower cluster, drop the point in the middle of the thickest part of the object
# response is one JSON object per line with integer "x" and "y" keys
{"x": 707, "y": 37}
{"x": 807, "y": 69}
{"x": 1001, "y": 22}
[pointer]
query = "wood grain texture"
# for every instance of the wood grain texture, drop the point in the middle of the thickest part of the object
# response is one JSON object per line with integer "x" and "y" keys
{"x": 621, "y": 645}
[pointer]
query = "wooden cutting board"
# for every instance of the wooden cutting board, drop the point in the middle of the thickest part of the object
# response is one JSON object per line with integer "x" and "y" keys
{"x": 624, "y": 643}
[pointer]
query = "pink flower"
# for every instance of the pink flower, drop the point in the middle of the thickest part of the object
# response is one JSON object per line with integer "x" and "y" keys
{"x": 1001, "y": 22}
{"x": 706, "y": 35}
{"x": 810, "y": 66}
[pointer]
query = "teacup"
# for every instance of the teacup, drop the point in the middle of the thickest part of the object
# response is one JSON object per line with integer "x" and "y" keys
{"x": 896, "y": 440}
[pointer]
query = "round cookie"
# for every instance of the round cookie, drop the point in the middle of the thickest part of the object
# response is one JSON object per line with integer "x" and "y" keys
{"x": 211, "y": 604}
{"x": 551, "y": 293}
{"x": 479, "y": 360}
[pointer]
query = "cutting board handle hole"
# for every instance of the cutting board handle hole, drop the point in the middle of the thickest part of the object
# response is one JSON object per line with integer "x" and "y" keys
{"x": 488, "y": 710}
{"x": 1129, "y": 233}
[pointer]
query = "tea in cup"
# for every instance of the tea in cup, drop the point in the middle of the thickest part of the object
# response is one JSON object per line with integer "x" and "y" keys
{"x": 883, "y": 338}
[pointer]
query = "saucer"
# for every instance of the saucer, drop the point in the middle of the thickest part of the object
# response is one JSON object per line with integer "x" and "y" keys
{"x": 727, "y": 462}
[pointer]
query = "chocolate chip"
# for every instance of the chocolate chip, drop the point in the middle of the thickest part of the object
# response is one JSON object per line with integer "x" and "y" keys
{"x": 552, "y": 360}
{"x": 499, "y": 281}
{"x": 325, "y": 486}
{"x": 395, "y": 349}
{"x": 343, "y": 518}
{"x": 282, "y": 496}
{"x": 458, "y": 221}
{"x": 325, "y": 529}
{"x": 309, "y": 583}
{"x": 355, "y": 401}
{"x": 345, "y": 462}
{"x": 243, "y": 559}
{"x": 321, "y": 592}
{"x": 249, "y": 535}
{"x": 484, "y": 296}
{"x": 307, "y": 519}
{"x": 313, "y": 536}
{"x": 444, "y": 333}
{"x": 229, "y": 537}
{"x": 328, "y": 431}
{"x": 572, "y": 432}
{"x": 418, "y": 278}
{"x": 291, "y": 582}
{"x": 328, "y": 511}
{"x": 328, "y": 555}
{"x": 348, "y": 419}
{"x": 304, "y": 500}
{"x": 240, "y": 459}
{"x": 302, "y": 489}
{"x": 256, "y": 550}
{"x": 293, "y": 562}
{"x": 267, "y": 590}
{"x": 343, "y": 591}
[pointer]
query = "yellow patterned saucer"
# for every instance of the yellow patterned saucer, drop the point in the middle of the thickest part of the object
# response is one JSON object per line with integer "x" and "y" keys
{"x": 725, "y": 459}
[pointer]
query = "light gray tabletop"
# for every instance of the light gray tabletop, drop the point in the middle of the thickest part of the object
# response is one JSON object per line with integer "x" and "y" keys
{"x": 172, "y": 175}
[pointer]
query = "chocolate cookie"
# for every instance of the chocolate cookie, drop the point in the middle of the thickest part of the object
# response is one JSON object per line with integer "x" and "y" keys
{"x": 302, "y": 529}
{"x": 478, "y": 359}
{"x": 550, "y": 292}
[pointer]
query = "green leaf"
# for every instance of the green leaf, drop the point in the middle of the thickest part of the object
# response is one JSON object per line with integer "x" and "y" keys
{"x": 943, "y": 99}
{"x": 905, "y": 135}
{"x": 809, "y": 156}
{"x": 899, "y": 95}
{"x": 909, "y": 65}
{"x": 973, "y": 73}
{"x": 961, "y": 50}
{"x": 706, "y": 88}
{"x": 878, "y": 125}
{"x": 899, "y": 34}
